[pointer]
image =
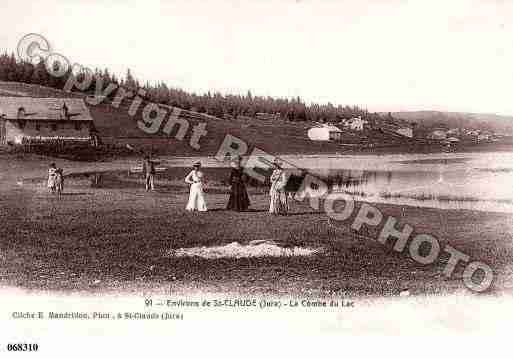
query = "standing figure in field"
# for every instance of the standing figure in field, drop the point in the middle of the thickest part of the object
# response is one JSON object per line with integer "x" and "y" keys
{"x": 59, "y": 181}
{"x": 149, "y": 172}
{"x": 278, "y": 203}
{"x": 52, "y": 173}
{"x": 239, "y": 199}
{"x": 196, "y": 179}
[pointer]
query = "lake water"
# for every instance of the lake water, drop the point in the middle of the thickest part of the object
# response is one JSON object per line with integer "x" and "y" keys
{"x": 477, "y": 181}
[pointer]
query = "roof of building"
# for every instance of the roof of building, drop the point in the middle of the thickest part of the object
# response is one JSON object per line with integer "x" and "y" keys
{"x": 328, "y": 127}
{"x": 355, "y": 119}
{"x": 44, "y": 108}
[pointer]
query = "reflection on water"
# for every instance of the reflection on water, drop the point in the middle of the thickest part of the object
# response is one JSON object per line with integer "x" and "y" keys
{"x": 96, "y": 180}
{"x": 457, "y": 189}
{"x": 452, "y": 181}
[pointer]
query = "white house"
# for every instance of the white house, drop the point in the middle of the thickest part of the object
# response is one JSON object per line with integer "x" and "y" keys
{"x": 405, "y": 131}
{"x": 438, "y": 135}
{"x": 453, "y": 132}
{"x": 325, "y": 133}
{"x": 483, "y": 137}
{"x": 355, "y": 124}
{"x": 471, "y": 132}
{"x": 25, "y": 119}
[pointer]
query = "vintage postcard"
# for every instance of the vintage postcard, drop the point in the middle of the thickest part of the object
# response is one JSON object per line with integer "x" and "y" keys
{"x": 248, "y": 178}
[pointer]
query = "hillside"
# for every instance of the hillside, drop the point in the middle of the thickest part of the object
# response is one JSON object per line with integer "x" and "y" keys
{"x": 431, "y": 119}
{"x": 117, "y": 127}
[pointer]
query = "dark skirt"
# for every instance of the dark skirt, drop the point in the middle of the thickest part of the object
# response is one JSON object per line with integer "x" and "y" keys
{"x": 239, "y": 199}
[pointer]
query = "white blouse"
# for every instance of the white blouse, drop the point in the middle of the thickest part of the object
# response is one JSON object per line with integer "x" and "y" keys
{"x": 195, "y": 177}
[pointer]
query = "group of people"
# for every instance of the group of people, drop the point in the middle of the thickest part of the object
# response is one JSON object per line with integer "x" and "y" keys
{"x": 239, "y": 199}
{"x": 55, "y": 179}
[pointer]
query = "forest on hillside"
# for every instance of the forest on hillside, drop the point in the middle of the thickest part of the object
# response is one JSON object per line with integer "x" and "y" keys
{"x": 216, "y": 104}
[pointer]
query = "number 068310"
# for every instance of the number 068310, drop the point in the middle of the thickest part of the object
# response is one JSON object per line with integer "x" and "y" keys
{"x": 22, "y": 347}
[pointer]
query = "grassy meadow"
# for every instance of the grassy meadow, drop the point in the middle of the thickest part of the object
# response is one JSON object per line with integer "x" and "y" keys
{"x": 117, "y": 237}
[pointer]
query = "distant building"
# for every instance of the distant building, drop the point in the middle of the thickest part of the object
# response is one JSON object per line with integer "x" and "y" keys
{"x": 437, "y": 135}
{"x": 453, "y": 132}
{"x": 405, "y": 131}
{"x": 25, "y": 119}
{"x": 325, "y": 133}
{"x": 355, "y": 124}
{"x": 484, "y": 137}
{"x": 471, "y": 132}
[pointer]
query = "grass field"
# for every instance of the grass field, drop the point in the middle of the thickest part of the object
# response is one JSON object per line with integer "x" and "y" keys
{"x": 118, "y": 238}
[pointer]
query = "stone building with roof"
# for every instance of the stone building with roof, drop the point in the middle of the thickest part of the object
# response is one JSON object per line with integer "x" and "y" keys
{"x": 27, "y": 119}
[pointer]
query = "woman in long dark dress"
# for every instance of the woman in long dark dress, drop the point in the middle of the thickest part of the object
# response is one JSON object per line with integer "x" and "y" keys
{"x": 239, "y": 199}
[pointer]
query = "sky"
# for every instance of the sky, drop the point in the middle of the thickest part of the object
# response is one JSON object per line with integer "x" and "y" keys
{"x": 384, "y": 55}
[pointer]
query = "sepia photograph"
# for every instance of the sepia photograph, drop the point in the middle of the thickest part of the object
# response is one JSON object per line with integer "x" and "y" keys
{"x": 250, "y": 178}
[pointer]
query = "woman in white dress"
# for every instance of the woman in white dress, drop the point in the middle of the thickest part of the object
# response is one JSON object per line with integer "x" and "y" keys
{"x": 278, "y": 197}
{"x": 52, "y": 175}
{"x": 196, "y": 179}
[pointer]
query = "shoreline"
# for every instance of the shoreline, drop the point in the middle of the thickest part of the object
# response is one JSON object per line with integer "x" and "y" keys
{"x": 160, "y": 204}
{"x": 35, "y": 169}
{"x": 114, "y": 146}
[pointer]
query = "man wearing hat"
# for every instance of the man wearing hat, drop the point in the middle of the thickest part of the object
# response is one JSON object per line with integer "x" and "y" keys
{"x": 149, "y": 172}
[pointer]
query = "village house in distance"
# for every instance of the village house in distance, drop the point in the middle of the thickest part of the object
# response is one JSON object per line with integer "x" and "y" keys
{"x": 26, "y": 120}
{"x": 325, "y": 132}
{"x": 360, "y": 128}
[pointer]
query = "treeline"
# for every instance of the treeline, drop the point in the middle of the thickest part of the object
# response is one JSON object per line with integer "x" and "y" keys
{"x": 216, "y": 104}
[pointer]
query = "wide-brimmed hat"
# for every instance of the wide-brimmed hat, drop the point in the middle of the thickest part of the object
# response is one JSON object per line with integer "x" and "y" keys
{"x": 196, "y": 164}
